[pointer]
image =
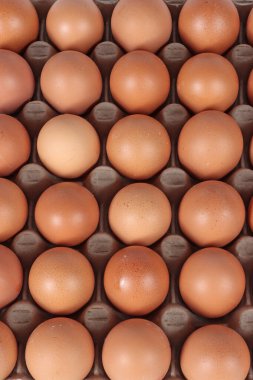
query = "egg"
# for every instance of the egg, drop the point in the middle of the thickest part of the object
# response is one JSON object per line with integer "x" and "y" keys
{"x": 59, "y": 349}
{"x": 19, "y": 24}
{"x": 17, "y": 81}
{"x": 136, "y": 349}
{"x": 141, "y": 25}
{"x": 211, "y": 213}
{"x": 66, "y": 214}
{"x": 71, "y": 82}
{"x": 207, "y": 81}
{"x": 13, "y": 209}
{"x": 138, "y": 146}
{"x": 215, "y": 352}
{"x": 8, "y": 351}
{"x": 75, "y": 24}
{"x": 140, "y": 82}
{"x": 212, "y": 282}
{"x": 250, "y": 88}
{"x": 251, "y": 151}
{"x": 251, "y": 214}
{"x": 140, "y": 214}
{"x": 210, "y": 145}
{"x": 136, "y": 280}
{"x": 15, "y": 145}
{"x": 249, "y": 27}
{"x": 61, "y": 280}
{"x": 68, "y": 145}
{"x": 209, "y": 26}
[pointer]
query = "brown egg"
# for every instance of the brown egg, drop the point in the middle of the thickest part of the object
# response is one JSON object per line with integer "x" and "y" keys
{"x": 136, "y": 349}
{"x": 215, "y": 352}
{"x": 140, "y": 82}
{"x": 210, "y": 145}
{"x": 140, "y": 214}
{"x": 59, "y": 349}
{"x": 251, "y": 151}
{"x": 136, "y": 280}
{"x": 211, "y": 213}
{"x": 75, "y": 25}
{"x": 212, "y": 282}
{"x": 71, "y": 82}
{"x": 17, "y": 81}
{"x": 15, "y": 145}
{"x": 249, "y": 27}
{"x": 13, "y": 209}
{"x": 138, "y": 146}
{"x": 209, "y": 26}
{"x": 19, "y": 24}
{"x": 61, "y": 280}
{"x": 66, "y": 214}
{"x": 11, "y": 277}
{"x": 207, "y": 81}
{"x": 250, "y": 87}
{"x": 8, "y": 351}
{"x": 68, "y": 145}
{"x": 251, "y": 214}
{"x": 141, "y": 24}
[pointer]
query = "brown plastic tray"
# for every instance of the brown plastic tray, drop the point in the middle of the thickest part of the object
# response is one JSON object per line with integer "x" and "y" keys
{"x": 99, "y": 316}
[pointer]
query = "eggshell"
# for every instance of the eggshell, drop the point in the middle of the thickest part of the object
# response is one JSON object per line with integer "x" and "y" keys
{"x": 141, "y": 24}
{"x": 66, "y": 214}
{"x": 215, "y": 352}
{"x": 138, "y": 146}
{"x": 140, "y": 82}
{"x": 211, "y": 213}
{"x": 207, "y": 81}
{"x": 136, "y": 349}
{"x": 19, "y": 24}
{"x": 71, "y": 82}
{"x": 209, "y": 26}
{"x": 59, "y": 349}
{"x": 136, "y": 280}
{"x": 251, "y": 214}
{"x": 140, "y": 214}
{"x": 13, "y": 209}
{"x": 68, "y": 146}
{"x": 249, "y": 27}
{"x": 212, "y": 282}
{"x": 75, "y": 24}
{"x": 250, "y": 87}
{"x": 61, "y": 280}
{"x": 251, "y": 151}
{"x": 210, "y": 145}
{"x": 8, "y": 351}
{"x": 17, "y": 81}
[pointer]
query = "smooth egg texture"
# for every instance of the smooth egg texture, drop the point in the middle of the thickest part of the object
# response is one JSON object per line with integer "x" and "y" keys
{"x": 251, "y": 214}
{"x": 249, "y": 27}
{"x": 8, "y": 351}
{"x": 251, "y": 151}
{"x": 250, "y": 87}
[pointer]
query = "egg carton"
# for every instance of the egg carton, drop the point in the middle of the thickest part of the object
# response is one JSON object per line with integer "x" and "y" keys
{"x": 99, "y": 315}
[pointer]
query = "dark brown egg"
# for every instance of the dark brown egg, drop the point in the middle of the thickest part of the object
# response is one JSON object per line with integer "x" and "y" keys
{"x": 59, "y": 349}
{"x": 251, "y": 214}
{"x": 19, "y": 24}
{"x": 61, "y": 280}
{"x": 71, "y": 82}
{"x": 140, "y": 214}
{"x": 251, "y": 151}
{"x": 215, "y": 352}
{"x": 212, "y": 282}
{"x": 211, "y": 213}
{"x": 250, "y": 87}
{"x": 15, "y": 145}
{"x": 207, "y": 81}
{"x": 17, "y": 81}
{"x": 13, "y": 209}
{"x": 210, "y": 145}
{"x": 136, "y": 349}
{"x": 66, "y": 214}
{"x": 11, "y": 277}
{"x": 136, "y": 280}
{"x": 140, "y": 82}
{"x": 141, "y": 24}
{"x": 249, "y": 27}
{"x": 8, "y": 351}
{"x": 209, "y": 26}
{"x": 75, "y": 24}
{"x": 138, "y": 146}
